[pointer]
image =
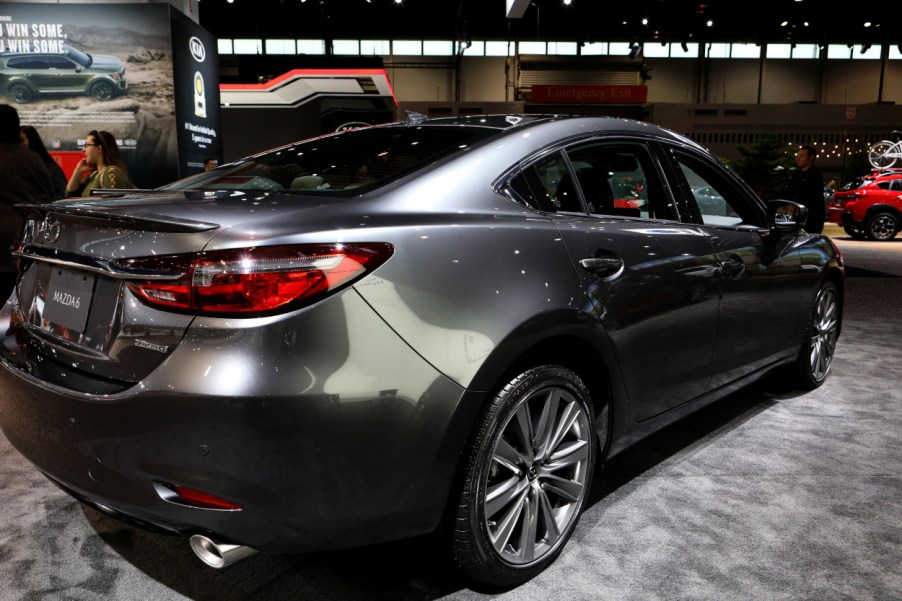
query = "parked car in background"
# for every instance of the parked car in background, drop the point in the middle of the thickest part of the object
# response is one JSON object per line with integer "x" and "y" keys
{"x": 869, "y": 207}
{"x": 432, "y": 325}
{"x": 828, "y": 195}
{"x": 24, "y": 76}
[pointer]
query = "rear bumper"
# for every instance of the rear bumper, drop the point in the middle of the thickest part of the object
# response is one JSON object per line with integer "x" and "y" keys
{"x": 847, "y": 219}
{"x": 842, "y": 216}
{"x": 317, "y": 469}
{"x": 835, "y": 214}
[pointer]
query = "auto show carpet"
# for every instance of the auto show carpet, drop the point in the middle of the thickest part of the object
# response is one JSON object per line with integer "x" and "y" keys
{"x": 765, "y": 495}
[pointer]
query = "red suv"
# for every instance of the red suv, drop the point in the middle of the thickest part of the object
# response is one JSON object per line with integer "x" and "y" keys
{"x": 870, "y": 206}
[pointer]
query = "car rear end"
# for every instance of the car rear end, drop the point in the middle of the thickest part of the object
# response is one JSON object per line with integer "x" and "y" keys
{"x": 842, "y": 210}
{"x": 244, "y": 392}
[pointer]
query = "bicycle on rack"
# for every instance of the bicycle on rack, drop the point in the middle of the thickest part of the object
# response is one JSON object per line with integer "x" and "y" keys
{"x": 885, "y": 153}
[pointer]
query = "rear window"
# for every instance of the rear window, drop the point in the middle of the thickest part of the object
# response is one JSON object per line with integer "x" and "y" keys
{"x": 350, "y": 162}
{"x": 856, "y": 183}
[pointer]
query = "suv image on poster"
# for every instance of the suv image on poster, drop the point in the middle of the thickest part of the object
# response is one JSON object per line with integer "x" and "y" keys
{"x": 26, "y": 75}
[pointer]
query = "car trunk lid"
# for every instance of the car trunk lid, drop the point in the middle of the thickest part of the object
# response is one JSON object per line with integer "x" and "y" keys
{"x": 72, "y": 320}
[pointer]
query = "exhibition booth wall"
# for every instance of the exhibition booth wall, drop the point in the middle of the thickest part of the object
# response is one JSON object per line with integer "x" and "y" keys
{"x": 146, "y": 73}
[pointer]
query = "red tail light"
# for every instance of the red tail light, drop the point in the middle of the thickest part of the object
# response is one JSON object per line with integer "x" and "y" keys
{"x": 258, "y": 280}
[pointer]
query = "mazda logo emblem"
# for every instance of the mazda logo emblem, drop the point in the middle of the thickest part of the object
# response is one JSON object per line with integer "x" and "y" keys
{"x": 50, "y": 229}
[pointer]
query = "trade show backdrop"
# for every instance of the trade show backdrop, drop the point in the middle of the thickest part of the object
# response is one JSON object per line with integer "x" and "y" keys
{"x": 144, "y": 72}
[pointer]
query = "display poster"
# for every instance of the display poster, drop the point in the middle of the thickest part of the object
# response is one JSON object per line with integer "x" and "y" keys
{"x": 196, "y": 71}
{"x": 72, "y": 68}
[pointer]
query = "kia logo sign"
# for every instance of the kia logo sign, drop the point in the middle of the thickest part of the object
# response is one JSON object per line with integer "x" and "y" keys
{"x": 197, "y": 49}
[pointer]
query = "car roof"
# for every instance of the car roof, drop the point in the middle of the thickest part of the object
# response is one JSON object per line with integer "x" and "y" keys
{"x": 585, "y": 123}
{"x": 882, "y": 177}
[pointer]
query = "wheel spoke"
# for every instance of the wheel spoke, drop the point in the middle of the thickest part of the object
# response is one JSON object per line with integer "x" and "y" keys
{"x": 552, "y": 532}
{"x": 528, "y": 529}
{"x": 509, "y": 457}
{"x": 545, "y": 427}
{"x": 508, "y": 522}
{"x": 819, "y": 367}
{"x": 567, "y": 455}
{"x": 566, "y": 489}
{"x": 568, "y": 417}
{"x": 523, "y": 430}
{"x": 500, "y": 495}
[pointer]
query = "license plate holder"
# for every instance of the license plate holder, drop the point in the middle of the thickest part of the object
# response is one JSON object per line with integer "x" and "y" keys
{"x": 68, "y": 298}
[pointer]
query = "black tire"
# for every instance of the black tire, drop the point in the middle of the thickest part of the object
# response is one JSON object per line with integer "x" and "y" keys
{"x": 882, "y": 226}
{"x": 532, "y": 451}
{"x": 853, "y": 233}
{"x": 103, "y": 90}
{"x": 816, "y": 355}
{"x": 20, "y": 93}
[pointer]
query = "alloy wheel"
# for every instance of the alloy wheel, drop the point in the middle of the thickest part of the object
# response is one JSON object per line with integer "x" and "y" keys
{"x": 883, "y": 227}
{"x": 825, "y": 332}
{"x": 538, "y": 476}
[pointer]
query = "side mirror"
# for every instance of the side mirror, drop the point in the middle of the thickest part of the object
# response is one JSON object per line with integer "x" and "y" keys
{"x": 786, "y": 216}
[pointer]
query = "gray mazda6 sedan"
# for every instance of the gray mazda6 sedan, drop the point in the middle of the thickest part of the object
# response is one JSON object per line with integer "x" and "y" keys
{"x": 430, "y": 326}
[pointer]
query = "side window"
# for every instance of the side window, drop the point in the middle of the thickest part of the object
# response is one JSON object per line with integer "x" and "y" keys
{"x": 551, "y": 185}
{"x": 718, "y": 200}
{"x": 58, "y": 62}
{"x": 620, "y": 179}
{"x": 883, "y": 185}
{"x": 27, "y": 62}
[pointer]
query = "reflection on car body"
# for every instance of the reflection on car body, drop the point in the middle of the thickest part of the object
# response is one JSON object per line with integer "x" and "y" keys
{"x": 398, "y": 329}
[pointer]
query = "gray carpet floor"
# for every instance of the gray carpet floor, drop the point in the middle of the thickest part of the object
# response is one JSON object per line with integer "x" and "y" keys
{"x": 762, "y": 496}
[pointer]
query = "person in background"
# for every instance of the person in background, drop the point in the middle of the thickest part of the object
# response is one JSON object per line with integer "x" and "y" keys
{"x": 102, "y": 167}
{"x": 210, "y": 163}
{"x": 31, "y": 140}
{"x": 806, "y": 186}
{"x": 23, "y": 178}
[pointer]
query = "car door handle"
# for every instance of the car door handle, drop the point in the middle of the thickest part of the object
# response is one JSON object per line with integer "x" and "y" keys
{"x": 602, "y": 266}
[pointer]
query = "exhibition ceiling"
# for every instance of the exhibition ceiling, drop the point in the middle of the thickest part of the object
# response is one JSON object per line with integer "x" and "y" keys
{"x": 648, "y": 21}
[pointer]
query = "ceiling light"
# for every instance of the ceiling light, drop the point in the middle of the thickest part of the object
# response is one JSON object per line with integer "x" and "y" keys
{"x": 784, "y": 23}
{"x": 867, "y": 23}
{"x": 567, "y": 2}
{"x": 645, "y": 21}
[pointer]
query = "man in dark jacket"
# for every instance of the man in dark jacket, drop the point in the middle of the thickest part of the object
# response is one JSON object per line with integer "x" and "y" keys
{"x": 23, "y": 178}
{"x": 806, "y": 186}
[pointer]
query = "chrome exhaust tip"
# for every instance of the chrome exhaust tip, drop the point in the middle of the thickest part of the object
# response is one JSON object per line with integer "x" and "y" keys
{"x": 218, "y": 555}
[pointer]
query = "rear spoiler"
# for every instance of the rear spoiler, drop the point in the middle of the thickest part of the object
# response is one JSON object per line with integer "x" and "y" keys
{"x": 85, "y": 212}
